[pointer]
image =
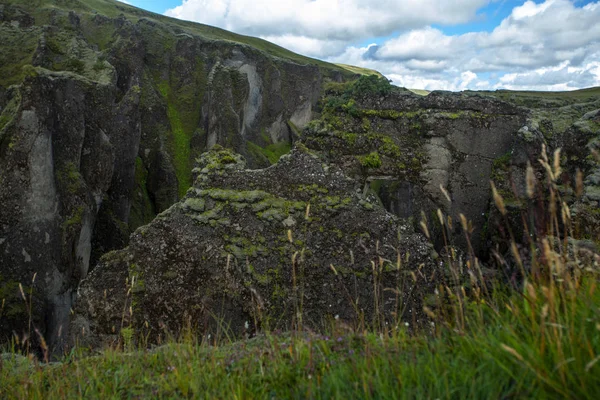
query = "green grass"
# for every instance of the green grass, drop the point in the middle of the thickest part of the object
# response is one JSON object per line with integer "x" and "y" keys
{"x": 538, "y": 99}
{"x": 17, "y": 51}
{"x": 360, "y": 70}
{"x": 183, "y": 102}
{"x": 112, "y": 8}
{"x": 420, "y": 92}
{"x": 543, "y": 343}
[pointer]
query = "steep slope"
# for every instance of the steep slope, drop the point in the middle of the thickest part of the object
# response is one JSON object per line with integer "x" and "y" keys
{"x": 440, "y": 151}
{"x": 404, "y": 147}
{"x": 103, "y": 109}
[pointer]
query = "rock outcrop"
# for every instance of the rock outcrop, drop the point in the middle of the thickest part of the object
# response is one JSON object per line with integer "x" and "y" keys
{"x": 104, "y": 109}
{"x": 405, "y": 147}
{"x": 296, "y": 243}
{"x": 102, "y": 113}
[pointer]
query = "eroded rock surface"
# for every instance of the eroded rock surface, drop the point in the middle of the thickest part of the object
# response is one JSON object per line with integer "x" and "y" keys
{"x": 405, "y": 146}
{"x": 102, "y": 113}
{"x": 249, "y": 249}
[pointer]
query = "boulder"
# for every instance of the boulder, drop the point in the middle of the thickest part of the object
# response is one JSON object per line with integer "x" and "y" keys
{"x": 295, "y": 244}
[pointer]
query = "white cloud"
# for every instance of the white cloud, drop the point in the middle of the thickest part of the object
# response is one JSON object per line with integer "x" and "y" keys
{"x": 335, "y": 20}
{"x": 547, "y": 45}
{"x": 308, "y": 46}
{"x": 551, "y": 44}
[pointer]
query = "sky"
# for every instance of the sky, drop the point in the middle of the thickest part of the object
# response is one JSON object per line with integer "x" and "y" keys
{"x": 424, "y": 44}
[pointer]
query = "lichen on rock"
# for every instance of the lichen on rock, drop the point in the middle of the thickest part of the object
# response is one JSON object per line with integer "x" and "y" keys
{"x": 255, "y": 249}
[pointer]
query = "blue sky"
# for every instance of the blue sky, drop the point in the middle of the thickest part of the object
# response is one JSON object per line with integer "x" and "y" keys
{"x": 426, "y": 44}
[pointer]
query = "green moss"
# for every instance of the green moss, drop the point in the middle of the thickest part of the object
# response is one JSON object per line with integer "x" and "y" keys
{"x": 296, "y": 132}
{"x": 75, "y": 219}
{"x": 272, "y": 153}
{"x": 194, "y": 204}
{"x": 391, "y": 114}
{"x": 366, "y": 205}
{"x": 69, "y": 178}
{"x": 313, "y": 189}
{"x": 10, "y": 110}
{"x": 183, "y": 102}
{"x": 273, "y": 214}
{"x": 283, "y": 207}
{"x": 142, "y": 209}
{"x": 18, "y": 47}
{"x": 371, "y": 160}
{"x": 503, "y": 161}
{"x": 229, "y": 195}
{"x": 262, "y": 279}
{"x": 210, "y": 216}
{"x": 135, "y": 277}
{"x": 243, "y": 248}
{"x": 449, "y": 115}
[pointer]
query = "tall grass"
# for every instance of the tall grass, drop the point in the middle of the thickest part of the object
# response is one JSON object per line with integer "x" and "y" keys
{"x": 538, "y": 337}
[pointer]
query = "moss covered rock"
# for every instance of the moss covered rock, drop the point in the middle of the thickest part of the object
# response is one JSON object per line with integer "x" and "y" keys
{"x": 296, "y": 243}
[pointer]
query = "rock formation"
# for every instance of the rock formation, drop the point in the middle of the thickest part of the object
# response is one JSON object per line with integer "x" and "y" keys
{"x": 293, "y": 244}
{"x": 105, "y": 108}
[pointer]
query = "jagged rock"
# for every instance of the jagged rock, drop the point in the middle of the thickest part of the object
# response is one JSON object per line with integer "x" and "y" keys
{"x": 102, "y": 113}
{"x": 423, "y": 142}
{"x": 249, "y": 249}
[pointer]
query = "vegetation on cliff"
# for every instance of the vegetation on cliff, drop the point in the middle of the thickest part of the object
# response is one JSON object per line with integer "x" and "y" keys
{"x": 534, "y": 337}
{"x": 349, "y": 267}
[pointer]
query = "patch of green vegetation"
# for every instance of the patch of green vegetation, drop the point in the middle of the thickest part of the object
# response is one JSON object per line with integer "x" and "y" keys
{"x": 271, "y": 152}
{"x": 503, "y": 161}
{"x": 370, "y": 160}
{"x": 69, "y": 178}
{"x": 10, "y": 111}
{"x": 183, "y": 101}
{"x": 230, "y": 195}
{"x": 295, "y": 131}
{"x": 449, "y": 115}
{"x": 142, "y": 208}
{"x": 194, "y": 204}
{"x": 210, "y": 217}
{"x": 539, "y": 99}
{"x": 136, "y": 280}
{"x": 514, "y": 344}
{"x": 420, "y": 92}
{"x": 11, "y": 300}
{"x": 71, "y": 64}
{"x": 243, "y": 248}
{"x": 313, "y": 189}
{"x": 391, "y": 114}
{"x": 370, "y": 85}
{"x": 18, "y": 47}
{"x": 75, "y": 219}
{"x": 360, "y": 70}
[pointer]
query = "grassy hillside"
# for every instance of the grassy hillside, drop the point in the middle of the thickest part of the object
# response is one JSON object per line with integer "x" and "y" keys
{"x": 538, "y": 99}
{"x": 543, "y": 342}
{"x": 113, "y": 9}
{"x": 562, "y": 109}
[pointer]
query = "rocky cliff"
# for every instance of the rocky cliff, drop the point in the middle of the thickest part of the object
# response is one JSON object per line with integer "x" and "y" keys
{"x": 104, "y": 107}
{"x": 409, "y": 149}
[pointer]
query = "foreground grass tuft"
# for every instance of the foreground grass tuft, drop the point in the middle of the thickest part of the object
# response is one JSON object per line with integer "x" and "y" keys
{"x": 542, "y": 343}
